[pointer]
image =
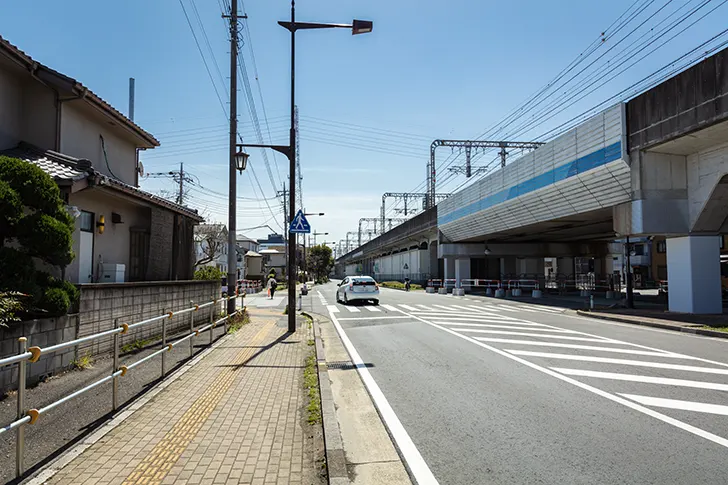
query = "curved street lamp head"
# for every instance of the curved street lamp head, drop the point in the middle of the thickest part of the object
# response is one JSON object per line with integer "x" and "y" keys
{"x": 241, "y": 160}
{"x": 361, "y": 27}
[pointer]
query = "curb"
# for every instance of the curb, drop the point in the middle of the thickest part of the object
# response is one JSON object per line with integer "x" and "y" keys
{"x": 664, "y": 326}
{"x": 335, "y": 459}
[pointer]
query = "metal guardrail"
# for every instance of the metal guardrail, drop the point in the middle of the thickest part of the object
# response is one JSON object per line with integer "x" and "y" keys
{"x": 28, "y": 355}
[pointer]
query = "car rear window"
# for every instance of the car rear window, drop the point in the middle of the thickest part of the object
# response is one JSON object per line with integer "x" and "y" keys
{"x": 364, "y": 282}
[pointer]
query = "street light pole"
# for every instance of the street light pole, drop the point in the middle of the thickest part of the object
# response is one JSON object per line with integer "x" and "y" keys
{"x": 357, "y": 27}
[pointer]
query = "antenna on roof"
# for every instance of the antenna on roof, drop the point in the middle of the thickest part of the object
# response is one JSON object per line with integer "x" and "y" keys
{"x": 131, "y": 98}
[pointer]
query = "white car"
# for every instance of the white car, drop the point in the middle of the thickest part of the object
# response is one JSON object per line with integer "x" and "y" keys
{"x": 358, "y": 288}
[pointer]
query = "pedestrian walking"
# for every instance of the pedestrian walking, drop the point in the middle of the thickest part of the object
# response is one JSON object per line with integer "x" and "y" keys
{"x": 272, "y": 285}
{"x": 406, "y": 284}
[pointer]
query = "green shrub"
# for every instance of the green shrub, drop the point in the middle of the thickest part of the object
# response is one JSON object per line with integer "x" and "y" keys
{"x": 397, "y": 285}
{"x": 208, "y": 273}
{"x": 55, "y": 301}
{"x": 10, "y": 306}
{"x": 34, "y": 221}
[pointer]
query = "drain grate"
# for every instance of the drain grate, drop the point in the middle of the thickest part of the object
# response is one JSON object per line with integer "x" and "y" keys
{"x": 340, "y": 364}
{"x": 345, "y": 365}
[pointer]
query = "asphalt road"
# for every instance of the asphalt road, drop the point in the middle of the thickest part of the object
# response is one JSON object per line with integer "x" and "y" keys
{"x": 504, "y": 392}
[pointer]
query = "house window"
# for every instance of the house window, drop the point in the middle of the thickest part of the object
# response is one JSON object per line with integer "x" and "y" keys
{"x": 662, "y": 247}
{"x": 86, "y": 221}
{"x": 662, "y": 272}
{"x": 639, "y": 249}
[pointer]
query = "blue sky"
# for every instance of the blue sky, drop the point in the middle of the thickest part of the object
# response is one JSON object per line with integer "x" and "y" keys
{"x": 369, "y": 105}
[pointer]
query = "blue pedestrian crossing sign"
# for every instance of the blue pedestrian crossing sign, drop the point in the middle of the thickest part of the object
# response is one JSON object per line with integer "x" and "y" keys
{"x": 299, "y": 224}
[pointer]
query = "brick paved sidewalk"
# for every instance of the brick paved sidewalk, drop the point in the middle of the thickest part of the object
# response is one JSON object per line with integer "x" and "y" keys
{"x": 237, "y": 416}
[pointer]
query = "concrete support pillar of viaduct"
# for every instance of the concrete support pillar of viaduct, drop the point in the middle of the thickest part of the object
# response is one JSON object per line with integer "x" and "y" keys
{"x": 449, "y": 267}
{"x": 694, "y": 274}
{"x": 534, "y": 266}
{"x": 508, "y": 265}
{"x": 462, "y": 271}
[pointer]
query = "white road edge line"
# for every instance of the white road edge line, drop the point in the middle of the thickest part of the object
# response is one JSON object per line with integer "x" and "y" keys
{"x": 409, "y": 452}
{"x": 612, "y": 397}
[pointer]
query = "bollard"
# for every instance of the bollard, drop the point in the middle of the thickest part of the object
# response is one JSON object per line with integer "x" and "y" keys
{"x": 500, "y": 293}
{"x": 192, "y": 328}
{"x": 430, "y": 289}
{"x": 225, "y": 321}
{"x": 591, "y": 302}
{"x": 164, "y": 343}
{"x": 442, "y": 291}
{"x": 536, "y": 294}
{"x": 610, "y": 295}
{"x": 489, "y": 292}
{"x": 300, "y": 302}
{"x": 115, "y": 380}
{"x": 20, "y": 433}
{"x": 212, "y": 319}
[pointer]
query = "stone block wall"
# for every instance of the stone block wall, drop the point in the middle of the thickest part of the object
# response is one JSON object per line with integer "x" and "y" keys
{"x": 42, "y": 333}
{"x": 101, "y": 305}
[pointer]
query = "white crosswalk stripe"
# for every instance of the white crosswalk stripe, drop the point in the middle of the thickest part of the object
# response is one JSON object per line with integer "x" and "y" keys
{"x": 514, "y": 326}
{"x": 607, "y": 360}
{"x": 372, "y": 309}
{"x": 526, "y": 334}
{"x": 468, "y": 317}
{"x": 391, "y": 308}
{"x": 352, "y": 309}
{"x": 658, "y": 402}
{"x": 582, "y": 347}
{"x": 526, "y": 338}
{"x": 333, "y": 308}
{"x": 667, "y": 381}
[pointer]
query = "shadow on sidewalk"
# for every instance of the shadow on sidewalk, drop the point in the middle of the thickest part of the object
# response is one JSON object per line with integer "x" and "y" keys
{"x": 279, "y": 340}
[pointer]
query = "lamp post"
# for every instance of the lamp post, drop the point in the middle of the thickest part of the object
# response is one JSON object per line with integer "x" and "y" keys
{"x": 357, "y": 27}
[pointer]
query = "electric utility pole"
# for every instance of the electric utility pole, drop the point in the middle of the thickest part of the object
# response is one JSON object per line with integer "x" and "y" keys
{"x": 232, "y": 260}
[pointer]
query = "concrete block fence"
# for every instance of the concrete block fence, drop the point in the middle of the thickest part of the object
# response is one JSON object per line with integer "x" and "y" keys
{"x": 100, "y": 305}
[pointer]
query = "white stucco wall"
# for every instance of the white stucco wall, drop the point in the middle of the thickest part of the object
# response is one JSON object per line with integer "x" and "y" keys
{"x": 113, "y": 246}
{"x": 80, "y": 132}
{"x": 10, "y": 110}
{"x": 38, "y": 125}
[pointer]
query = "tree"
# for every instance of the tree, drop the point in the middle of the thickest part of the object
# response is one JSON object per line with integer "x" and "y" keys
{"x": 212, "y": 239}
{"x": 320, "y": 262}
{"x": 35, "y": 228}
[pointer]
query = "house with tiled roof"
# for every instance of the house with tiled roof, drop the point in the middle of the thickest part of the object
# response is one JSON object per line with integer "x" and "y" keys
{"x": 92, "y": 152}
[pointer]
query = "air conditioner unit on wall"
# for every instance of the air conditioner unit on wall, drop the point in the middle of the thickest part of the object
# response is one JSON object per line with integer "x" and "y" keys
{"x": 112, "y": 273}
